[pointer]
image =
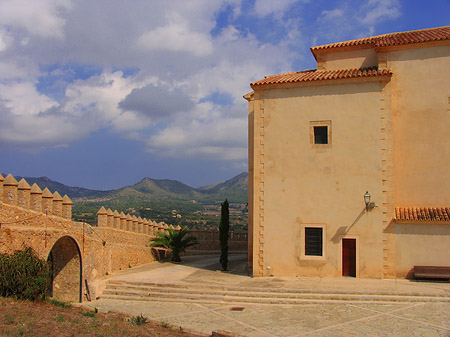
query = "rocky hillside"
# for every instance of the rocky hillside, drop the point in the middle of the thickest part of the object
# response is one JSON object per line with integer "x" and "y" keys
{"x": 235, "y": 189}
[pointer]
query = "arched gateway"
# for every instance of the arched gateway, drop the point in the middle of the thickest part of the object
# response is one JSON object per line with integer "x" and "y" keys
{"x": 66, "y": 264}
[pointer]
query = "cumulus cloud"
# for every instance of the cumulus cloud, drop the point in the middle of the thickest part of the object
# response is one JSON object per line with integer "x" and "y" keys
{"x": 157, "y": 102}
{"x": 42, "y": 18}
{"x": 37, "y": 121}
{"x": 219, "y": 138}
{"x": 23, "y": 99}
{"x": 173, "y": 72}
{"x": 176, "y": 36}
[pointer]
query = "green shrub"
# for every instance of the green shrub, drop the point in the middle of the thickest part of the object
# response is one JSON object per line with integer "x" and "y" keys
{"x": 138, "y": 320}
{"x": 24, "y": 276}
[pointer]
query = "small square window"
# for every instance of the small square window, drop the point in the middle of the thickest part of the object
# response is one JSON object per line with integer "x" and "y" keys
{"x": 321, "y": 135}
{"x": 313, "y": 241}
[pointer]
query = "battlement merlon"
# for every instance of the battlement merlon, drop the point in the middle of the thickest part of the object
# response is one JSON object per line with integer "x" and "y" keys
{"x": 107, "y": 218}
{"x": 33, "y": 198}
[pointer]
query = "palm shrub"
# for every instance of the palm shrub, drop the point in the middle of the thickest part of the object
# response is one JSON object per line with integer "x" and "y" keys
{"x": 24, "y": 276}
{"x": 175, "y": 240}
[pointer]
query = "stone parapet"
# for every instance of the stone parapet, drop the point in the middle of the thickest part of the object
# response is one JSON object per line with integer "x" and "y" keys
{"x": 106, "y": 218}
{"x": 36, "y": 198}
{"x": 1, "y": 186}
{"x": 24, "y": 194}
{"x": 10, "y": 190}
{"x": 116, "y": 223}
{"x": 47, "y": 201}
{"x": 102, "y": 217}
{"x": 66, "y": 207}
{"x": 110, "y": 215}
{"x": 57, "y": 204}
{"x": 123, "y": 221}
{"x": 33, "y": 198}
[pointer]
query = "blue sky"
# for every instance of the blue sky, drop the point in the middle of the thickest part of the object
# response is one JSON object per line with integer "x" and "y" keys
{"x": 101, "y": 94}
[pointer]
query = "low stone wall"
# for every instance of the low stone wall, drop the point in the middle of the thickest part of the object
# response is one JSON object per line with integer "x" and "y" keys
{"x": 209, "y": 242}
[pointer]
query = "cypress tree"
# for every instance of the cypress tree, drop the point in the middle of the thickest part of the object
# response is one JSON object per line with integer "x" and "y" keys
{"x": 224, "y": 229}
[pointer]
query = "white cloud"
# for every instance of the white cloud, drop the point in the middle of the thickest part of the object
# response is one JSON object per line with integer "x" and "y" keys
{"x": 35, "y": 120}
{"x": 220, "y": 139}
{"x": 23, "y": 99}
{"x": 41, "y": 18}
{"x": 176, "y": 36}
{"x": 36, "y": 132}
{"x": 267, "y": 7}
{"x": 177, "y": 65}
{"x": 3, "y": 40}
{"x": 380, "y": 10}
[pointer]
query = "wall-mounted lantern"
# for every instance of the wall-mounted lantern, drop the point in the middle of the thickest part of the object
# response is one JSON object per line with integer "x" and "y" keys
{"x": 369, "y": 205}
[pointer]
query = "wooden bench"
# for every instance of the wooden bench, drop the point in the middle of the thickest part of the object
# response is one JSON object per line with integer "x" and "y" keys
{"x": 432, "y": 272}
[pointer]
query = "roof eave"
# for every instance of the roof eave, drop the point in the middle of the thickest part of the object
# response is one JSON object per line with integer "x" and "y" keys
{"x": 377, "y": 78}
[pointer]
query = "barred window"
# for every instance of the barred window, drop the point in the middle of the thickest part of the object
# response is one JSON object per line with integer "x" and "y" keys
{"x": 313, "y": 241}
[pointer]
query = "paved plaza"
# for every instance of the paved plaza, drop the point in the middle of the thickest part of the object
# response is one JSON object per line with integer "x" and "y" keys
{"x": 372, "y": 317}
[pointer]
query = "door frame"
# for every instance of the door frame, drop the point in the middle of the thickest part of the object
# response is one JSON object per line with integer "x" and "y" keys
{"x": 341, "y": 259}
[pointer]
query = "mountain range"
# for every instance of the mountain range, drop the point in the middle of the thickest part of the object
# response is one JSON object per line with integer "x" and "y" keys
{"x": 234, "y": 189}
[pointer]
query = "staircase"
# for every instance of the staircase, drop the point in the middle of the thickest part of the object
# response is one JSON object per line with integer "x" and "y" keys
{"x": 140, "y": 291}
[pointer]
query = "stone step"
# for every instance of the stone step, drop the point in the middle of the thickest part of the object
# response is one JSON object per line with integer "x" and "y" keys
{"x": 192, "y": 287}
{"x": 183, "y": 298}
{"x": 161, "y": 291}
{"x": 187, "y": 294}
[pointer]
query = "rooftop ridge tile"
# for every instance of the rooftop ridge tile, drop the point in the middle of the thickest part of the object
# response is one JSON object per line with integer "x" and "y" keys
{"x": 422, "y": 214}
{"x": 321, "y": 75}
{"x": 394, "y": 39}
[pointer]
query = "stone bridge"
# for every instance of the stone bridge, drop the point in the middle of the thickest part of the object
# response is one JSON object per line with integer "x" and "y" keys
{"x": 80, "y": 253}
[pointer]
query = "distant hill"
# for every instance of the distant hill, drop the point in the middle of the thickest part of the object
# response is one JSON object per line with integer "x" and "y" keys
{"x": 235, "y": 189}
{"x": 72, "y": 192}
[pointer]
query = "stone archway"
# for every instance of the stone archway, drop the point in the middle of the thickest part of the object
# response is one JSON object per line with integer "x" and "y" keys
{"x": 66, "y": 264}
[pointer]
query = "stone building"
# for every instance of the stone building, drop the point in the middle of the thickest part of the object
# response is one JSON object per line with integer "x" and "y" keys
{"x": 373, "y": 117}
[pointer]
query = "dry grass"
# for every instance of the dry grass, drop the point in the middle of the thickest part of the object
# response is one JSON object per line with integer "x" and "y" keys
{"x": 24, "y": 318}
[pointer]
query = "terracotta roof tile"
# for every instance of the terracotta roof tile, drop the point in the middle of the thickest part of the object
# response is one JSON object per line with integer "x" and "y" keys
{"x": 321, "y": 75}
{"x": 394, "y": 39}
{"x": 422, "y": 214}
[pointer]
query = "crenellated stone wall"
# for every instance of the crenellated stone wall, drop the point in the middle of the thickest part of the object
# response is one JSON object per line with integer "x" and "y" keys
{"x": 40, "y": 219}
{"x": 33, "y": 198}
{"x": 82, "y": 255}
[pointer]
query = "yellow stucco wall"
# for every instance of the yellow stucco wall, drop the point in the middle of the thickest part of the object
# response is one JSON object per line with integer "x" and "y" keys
{"x": 347, "y": 59}
{"x": 421, "y": 121}
{"x": 420, "y": 244}
{"x": 306, "y": 185}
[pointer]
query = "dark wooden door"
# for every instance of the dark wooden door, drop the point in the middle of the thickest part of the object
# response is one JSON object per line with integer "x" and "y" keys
{"x": 349, "y": 257}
